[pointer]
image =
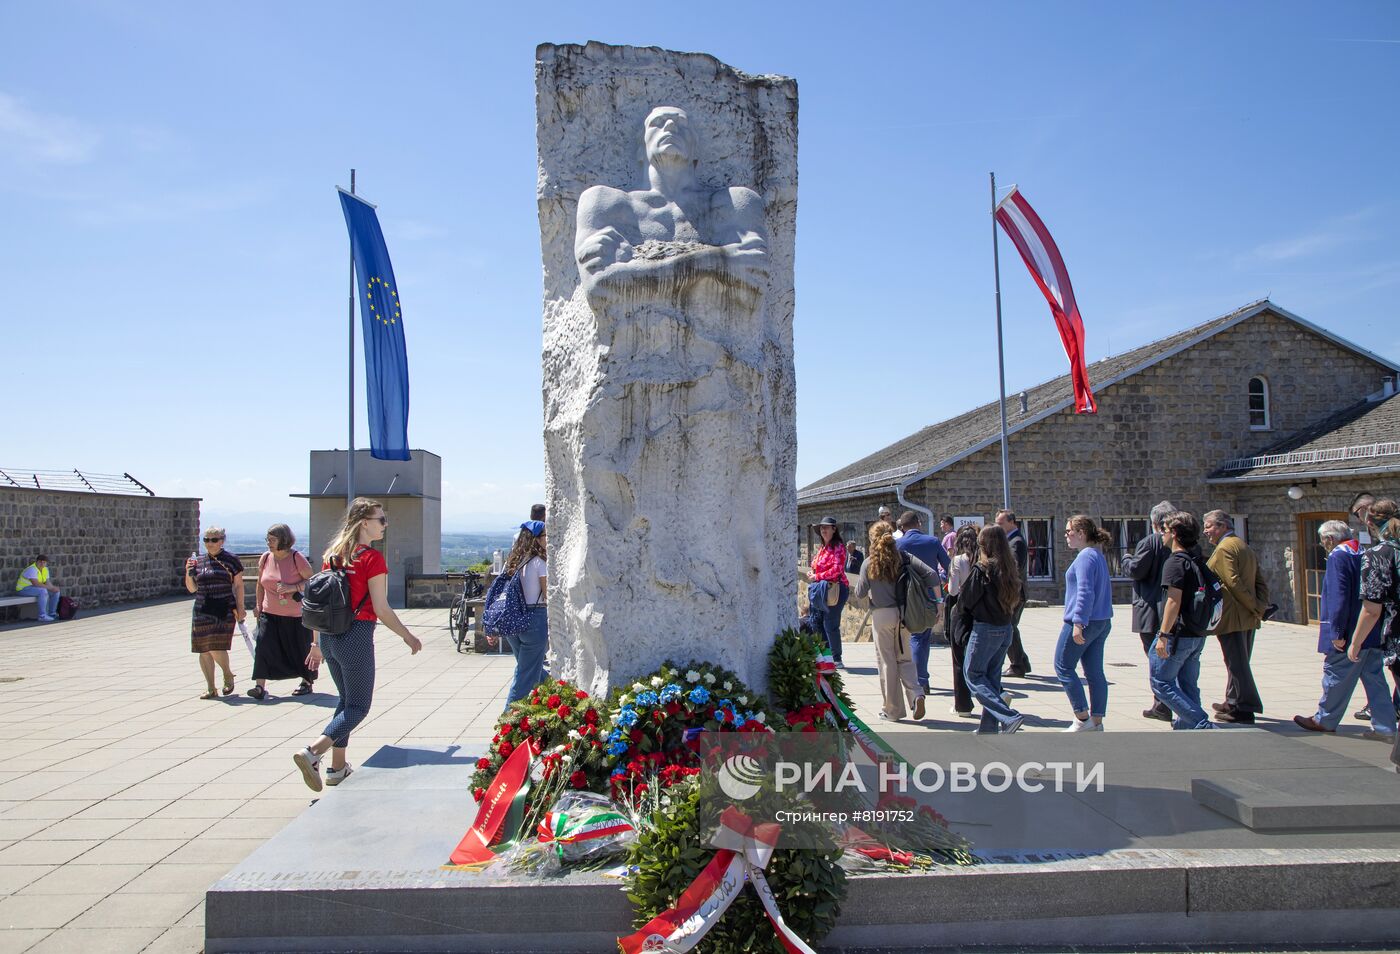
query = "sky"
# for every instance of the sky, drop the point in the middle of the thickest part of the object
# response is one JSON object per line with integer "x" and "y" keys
{"x": 175, "y": 261}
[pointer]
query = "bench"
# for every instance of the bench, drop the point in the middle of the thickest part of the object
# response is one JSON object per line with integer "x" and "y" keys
{"x": 29, "y": 606}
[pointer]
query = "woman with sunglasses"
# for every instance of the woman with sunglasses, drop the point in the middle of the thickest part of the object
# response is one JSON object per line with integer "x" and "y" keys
{"x": 350, "y": 655}
{"x": 216, "y": 580}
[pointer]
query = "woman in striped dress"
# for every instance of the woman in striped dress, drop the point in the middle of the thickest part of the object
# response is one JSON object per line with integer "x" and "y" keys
{"x": 216, "y": 580}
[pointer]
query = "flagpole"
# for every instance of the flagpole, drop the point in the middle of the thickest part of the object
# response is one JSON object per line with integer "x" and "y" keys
{"x": 350, "y": 368}
{"x": 1001, "y": 361}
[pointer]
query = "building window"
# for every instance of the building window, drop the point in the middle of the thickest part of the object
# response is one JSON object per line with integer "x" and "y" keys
{"x": 1126, "y": 533}
{"x": 1258, "y": 404}
{"x": 1040, "y": 547}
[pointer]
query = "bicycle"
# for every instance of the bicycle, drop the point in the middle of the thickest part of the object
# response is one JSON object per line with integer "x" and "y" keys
{"x": 459, "y": 617}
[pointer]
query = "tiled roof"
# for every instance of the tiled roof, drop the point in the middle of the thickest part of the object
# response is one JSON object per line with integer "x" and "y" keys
{"x": 938, "y": 443}
{"x": 1364, "y": 438}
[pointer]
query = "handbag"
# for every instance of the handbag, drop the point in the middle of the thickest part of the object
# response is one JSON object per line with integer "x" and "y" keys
{"x": 833, "y": 592}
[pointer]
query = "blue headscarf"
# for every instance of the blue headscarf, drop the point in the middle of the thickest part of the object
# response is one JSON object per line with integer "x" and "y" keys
{"x": 536, "y": 527}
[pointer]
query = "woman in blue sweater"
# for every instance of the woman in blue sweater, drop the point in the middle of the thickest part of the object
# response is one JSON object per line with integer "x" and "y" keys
{"x": 1088, "y": 618}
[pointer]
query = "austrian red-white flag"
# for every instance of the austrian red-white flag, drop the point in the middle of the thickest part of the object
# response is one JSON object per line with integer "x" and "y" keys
{"x": 1039, "y": 252}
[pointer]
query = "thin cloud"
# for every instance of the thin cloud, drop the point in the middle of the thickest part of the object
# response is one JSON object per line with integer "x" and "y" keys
{"x": 31, "y": 136}
{"x": 1332, "y": 234}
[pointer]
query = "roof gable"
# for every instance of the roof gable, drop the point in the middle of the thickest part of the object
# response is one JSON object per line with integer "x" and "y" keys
{"x": 938, "y": 446}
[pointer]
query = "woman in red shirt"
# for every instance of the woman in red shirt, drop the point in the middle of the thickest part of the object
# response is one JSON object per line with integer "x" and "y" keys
{"x": 828, "y": 579}
{"x": 350, "y": 655}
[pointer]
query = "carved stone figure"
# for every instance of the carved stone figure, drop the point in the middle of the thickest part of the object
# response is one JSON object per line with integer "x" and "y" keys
{"x": 668, "y": 421}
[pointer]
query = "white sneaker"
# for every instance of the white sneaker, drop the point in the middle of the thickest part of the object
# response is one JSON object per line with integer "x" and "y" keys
{"x": 336, "y": 776}
{"x": 1085, "y": 725}
{"x": 968, "y": 714}
{"x": 310, "y": 764}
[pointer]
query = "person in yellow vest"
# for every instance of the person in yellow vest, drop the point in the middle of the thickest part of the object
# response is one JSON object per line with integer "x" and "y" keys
{"x": 34, "y": 581}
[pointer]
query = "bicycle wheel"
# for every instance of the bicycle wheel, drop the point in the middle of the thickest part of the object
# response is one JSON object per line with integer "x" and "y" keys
{"x": 464, "y": 627}
{"x": 454, "y": 621}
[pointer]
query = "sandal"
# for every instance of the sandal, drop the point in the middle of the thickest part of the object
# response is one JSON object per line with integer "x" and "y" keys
{"x": 228, "y": 684}
{"x": 211, "y": 694}
{"x": 302, "y": 690}
{"x": 258, "y": 692}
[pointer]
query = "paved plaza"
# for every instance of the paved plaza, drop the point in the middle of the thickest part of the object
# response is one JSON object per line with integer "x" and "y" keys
{"x": 123, "y": 796}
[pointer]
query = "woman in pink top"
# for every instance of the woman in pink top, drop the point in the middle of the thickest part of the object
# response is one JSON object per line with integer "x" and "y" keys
{"x": 283, "y": 643}
{"x": 827, "y": 593}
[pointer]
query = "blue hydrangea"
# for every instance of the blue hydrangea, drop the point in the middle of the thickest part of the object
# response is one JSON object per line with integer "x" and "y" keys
{"x": 617, "y": 748}
{"x": 614, "y": 735}
{"x": 724, "y": 704}
{"x": 699, "y": 695}
{"x": 738, "y": 720}
{"x": 671, "y": 692}
{"x": 627, "y": 717}
{"x": 647, "y": 698}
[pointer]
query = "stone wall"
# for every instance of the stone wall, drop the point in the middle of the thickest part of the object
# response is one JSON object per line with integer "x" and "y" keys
{"x": 102, "y": 548}
{"x": 1158, "y": 434}
{"x": 433, "y": 590}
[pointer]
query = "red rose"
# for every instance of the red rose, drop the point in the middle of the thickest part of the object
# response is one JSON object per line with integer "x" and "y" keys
{"x": 552, "y": 702}
{"x": 727, "y": 716}
{"x": 579, "y": 779}
{"x": 580, "y": 695}
{"x": 673, "y": 708}
{"x": 478, "y": 793}
{"x": 597, "y": 743}
{"x": 507, "y": 747}
{"x": 657, "y": 715}
{"x": 591, "y": 717}
{"x": 565, "y": 712}
{"x": 483, "y": 764}
{"x": 524, "y": 723}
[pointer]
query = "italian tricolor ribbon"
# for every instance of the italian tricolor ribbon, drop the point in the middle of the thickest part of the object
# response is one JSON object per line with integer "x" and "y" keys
{"x": 561, "y": 828}
{"x": 502, "y": 809}
{"x": 744, "y": 851}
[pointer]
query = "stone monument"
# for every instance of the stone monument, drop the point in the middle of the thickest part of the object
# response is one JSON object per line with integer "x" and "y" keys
{"x": 667, "y": 201}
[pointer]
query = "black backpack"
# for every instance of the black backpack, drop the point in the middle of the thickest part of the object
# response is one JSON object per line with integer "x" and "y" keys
{"x": 1201, "y": 610}
{"x": 325, "y": 606}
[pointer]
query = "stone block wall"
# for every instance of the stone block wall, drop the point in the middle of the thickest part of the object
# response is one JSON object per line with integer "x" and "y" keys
{"x": 434, "y": 590}
{"x": 1158, "y": 435}
{"x": 102, "y": 548}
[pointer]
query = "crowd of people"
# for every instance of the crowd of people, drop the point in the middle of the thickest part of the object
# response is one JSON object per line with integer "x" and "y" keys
{"x": 978, "y": 573}
{"x": 1180, "y": 599}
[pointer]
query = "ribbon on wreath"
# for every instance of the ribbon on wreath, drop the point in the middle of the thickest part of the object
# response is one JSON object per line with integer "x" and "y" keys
{"x": 564, "y": 828}
{"x": 502, "y": 810}
{"x": 877, "y": 748}
{"x": 744, "y": 850}
{"x": 857, "y": 840}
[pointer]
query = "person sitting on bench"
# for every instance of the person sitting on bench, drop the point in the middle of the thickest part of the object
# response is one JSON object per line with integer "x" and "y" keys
{"x": 34, "y": 581}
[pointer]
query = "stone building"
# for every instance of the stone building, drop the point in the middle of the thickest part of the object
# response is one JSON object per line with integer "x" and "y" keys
{"x": 1258, "y": 412}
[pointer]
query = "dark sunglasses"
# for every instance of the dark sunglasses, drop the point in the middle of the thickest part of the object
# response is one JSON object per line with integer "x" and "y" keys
{"x": 213, "y": 539}
{"x": 382, "y": 520}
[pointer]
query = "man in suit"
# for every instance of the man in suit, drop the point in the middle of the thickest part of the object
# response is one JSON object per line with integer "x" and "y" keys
{"x": 914, "y": 541}
{"x": 1018, "y": 664}
{"x": 1246, "y": 599}
{"x": 1144, "y": 565}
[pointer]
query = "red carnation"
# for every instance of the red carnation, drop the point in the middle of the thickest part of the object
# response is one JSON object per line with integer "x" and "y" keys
{"x": 565, "y": 712}
{"x": 478, "y": 793}
{"x": 580, "y": 695}
{"x": 597, "y": 743}
{"x": 673, "y": 708}
{"x": 579, "y": 779}
{"x": 552, "y": 702}
{"x": 483, "y": 764}
{"x": 507, "y": 747}
{"x": 524, "y": 723}
{"x": 635, "y": 735}
{"x": 657, "y": 715}
{"x": 591, "y": 717}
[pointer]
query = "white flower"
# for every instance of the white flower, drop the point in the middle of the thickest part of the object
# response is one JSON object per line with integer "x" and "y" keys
{"x": 623, "y": 699}
{"x": 743, "y": 700}
{"x": 657, "y": 682}
{"x": 573, "y": 734}
{"x": 760, "y": 718}
{"x": 692, "y": 676}
{"x": 639, "y": 687}
{"x": 709, "y": 679}
{"x": 728, "y": 685}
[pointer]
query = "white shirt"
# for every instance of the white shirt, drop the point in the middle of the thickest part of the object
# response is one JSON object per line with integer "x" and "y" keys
{"x": 530, "y": 575}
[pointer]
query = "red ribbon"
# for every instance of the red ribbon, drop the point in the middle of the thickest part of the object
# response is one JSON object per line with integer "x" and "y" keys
{"x": 475, "y": 846}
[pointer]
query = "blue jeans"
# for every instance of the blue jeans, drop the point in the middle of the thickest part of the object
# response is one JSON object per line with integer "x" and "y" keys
{"x": 919, "y": 644}
{"x": 48, "y": 601}
{"x": 986, "y": 651}
{"x": 1174, "y": 681}
{"x": 1089, "y": 657}
{"x": 830, "y": 619}
{"x": 350, "y": 658}
{"x": 1339, "y": 678}
{"x": 529, "y": 649}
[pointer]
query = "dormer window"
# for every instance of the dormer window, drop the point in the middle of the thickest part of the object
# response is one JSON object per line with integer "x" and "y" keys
{"x": 1258, "y": 404}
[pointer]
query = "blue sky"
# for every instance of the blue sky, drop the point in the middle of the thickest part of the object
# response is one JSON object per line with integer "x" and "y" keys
{"x": 174, "y": 256}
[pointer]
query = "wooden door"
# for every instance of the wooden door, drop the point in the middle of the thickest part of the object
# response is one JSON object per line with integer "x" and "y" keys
{"x": 1311, "y": 563}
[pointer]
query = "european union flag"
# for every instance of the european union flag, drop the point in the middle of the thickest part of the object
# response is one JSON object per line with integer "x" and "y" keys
{"x": 386, "y": 356}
